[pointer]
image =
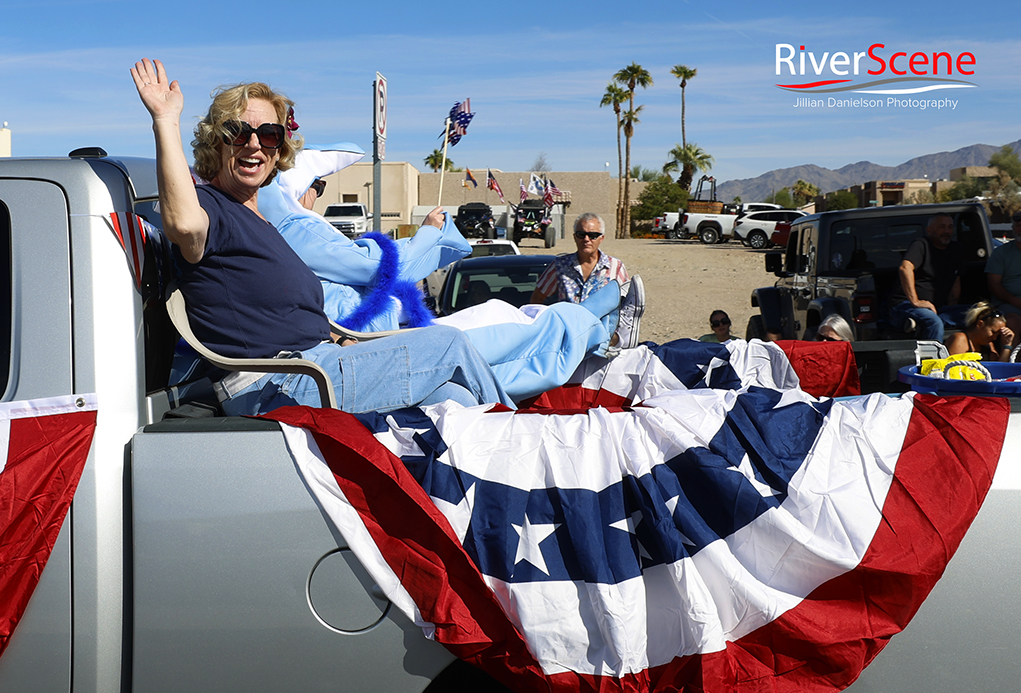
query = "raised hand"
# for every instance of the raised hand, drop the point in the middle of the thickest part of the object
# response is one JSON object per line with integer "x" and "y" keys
{"x": 434, "y": 218}
{"x": 161, "y": 97}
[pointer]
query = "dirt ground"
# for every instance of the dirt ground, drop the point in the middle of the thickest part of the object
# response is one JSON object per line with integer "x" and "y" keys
{"x": 684, "y": 281}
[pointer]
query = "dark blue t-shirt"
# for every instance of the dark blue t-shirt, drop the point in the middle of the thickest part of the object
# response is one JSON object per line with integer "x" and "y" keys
{"x": 250, "y": 296}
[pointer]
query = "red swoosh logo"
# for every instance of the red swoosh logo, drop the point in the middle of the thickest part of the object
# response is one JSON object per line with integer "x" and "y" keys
{"x": 812, "y": 84}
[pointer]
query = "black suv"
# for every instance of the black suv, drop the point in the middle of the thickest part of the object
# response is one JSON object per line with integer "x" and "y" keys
{"x": 475, "y": 220}
{"x": 531, "y": 220}
{"x": 846, "y": 262}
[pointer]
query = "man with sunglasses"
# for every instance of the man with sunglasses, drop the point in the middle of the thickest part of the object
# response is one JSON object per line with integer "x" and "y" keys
{"x": 575, "y": 276}
{"x": 1003, "y": 274}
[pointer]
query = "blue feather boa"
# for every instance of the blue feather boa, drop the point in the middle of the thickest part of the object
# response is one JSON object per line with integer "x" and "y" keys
{"x": 387, "y": 285}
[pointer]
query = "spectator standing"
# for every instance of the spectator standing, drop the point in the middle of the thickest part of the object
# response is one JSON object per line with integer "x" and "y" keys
{"x": 1003, "y": 274}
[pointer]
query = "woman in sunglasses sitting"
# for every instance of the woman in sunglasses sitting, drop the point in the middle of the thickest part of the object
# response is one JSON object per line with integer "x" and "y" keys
{"x": 249, "y": 295}
{"x": 985, "y": 332}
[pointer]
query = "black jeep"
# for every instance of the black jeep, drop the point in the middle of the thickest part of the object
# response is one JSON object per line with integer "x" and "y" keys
{"x": 531, "y": 220}
{"x": 846, "y": 262}
{"x": 475, "y": 220}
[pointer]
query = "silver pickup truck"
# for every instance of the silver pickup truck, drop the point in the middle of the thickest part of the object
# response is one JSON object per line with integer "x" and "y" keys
{"x": 193, "y": 557}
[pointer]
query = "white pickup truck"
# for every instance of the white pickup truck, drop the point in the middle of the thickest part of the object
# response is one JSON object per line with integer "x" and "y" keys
{"x": 709, "y": 228}
{"x": 194, "y": 559}
{"x": 350, "y": 218}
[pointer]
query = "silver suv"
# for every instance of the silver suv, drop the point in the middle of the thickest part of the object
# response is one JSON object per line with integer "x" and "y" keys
{"x": 755, "y": 228}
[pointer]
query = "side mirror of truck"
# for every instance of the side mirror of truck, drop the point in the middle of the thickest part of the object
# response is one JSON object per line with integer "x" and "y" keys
{"x": 774, "y": 263}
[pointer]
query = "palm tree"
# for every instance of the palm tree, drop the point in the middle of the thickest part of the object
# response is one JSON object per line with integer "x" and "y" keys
{"x": 683, "y": 73}
{"x": 631, "y": 77}
{"x": 615, "y": 96}
{"x": 435, "y": 160}
{"x": 687, "y": 159}
{"x": 803, "y": 191}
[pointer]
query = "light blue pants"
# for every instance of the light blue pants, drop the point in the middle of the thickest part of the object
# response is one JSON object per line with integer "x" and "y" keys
{"x": 414, "y": 367}
{"x": 529, "y": 359}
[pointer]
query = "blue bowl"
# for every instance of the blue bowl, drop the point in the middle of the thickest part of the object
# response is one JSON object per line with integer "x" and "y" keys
{"x": 995, "y": 388}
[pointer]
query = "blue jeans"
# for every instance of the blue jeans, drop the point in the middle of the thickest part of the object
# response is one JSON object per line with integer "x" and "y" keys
{"x": 415, "y": 367}
{"x": 930, "y": 324}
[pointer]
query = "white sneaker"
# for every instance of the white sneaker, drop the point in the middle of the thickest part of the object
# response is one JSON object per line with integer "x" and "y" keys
{"x": 631, "y": 310}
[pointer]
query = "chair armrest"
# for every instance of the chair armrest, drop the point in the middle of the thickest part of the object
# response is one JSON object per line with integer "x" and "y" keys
{"x": 345, "y": 333}
{"x": 179, "y": 316}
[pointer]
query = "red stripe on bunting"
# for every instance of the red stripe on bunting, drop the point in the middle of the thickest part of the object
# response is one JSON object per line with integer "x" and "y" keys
{"x": 117, "y": 230}
{"x": 45, "y": 459}
{"x": 137, "y": 252}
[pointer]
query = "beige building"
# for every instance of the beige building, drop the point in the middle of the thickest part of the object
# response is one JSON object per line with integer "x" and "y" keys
{"x": 891, "y": 192}
{"x": 405, "y": 187}
{"x": 957, "y": 174}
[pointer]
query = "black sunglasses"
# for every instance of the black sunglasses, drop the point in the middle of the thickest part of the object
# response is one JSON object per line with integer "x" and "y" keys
{"x": 271, "y": 135}
{"x": 821, "y": 338}
{"x": 717, "y": 323}
{"x": 319, "y": 185}
{"x": 993, "y": 314}
{"x": 593, "y": 235}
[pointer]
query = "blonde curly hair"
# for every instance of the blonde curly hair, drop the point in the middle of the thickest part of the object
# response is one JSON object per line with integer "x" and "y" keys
{"x": 229, "y": 104}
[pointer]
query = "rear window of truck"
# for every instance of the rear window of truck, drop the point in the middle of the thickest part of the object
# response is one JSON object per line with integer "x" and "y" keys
{"x": 859, "y": 245}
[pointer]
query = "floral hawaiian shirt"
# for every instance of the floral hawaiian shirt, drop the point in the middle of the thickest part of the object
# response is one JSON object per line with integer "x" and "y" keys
{"x": 564, "y": 275}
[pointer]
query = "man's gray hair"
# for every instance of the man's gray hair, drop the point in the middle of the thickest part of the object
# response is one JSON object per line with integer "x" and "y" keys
{"x": 937, "y": 215}
{"x": 587, "y": 216}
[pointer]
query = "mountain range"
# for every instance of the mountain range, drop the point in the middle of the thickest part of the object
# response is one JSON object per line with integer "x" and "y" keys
{"x": 933, "y": 166}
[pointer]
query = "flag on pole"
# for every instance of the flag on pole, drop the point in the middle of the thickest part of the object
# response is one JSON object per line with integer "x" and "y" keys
{"x": 732, "y": 533}
{"x": 551, "y": 186}
{"x": 460, "y": 116}
{"x": 491, "y": 184}
{"x": 524, "y": 193}
{"x": 469, "y": 179}
{"x": 547, "y": 196}
{"x": 43, "y": 447}
{"x": 535, "y": 185}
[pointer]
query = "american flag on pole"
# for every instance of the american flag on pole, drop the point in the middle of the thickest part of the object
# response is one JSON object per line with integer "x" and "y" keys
{"x": 729, "y": 533}
{"x": 492, "y": 184}
{"x": 524, "y": 192}
{"x": 547, "y": 195}
{"x": 460, "y": 116}
{"x": 43, "y": 447}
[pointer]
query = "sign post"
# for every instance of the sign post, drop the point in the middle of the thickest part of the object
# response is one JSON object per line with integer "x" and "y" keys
{"x": 378, "y": 147}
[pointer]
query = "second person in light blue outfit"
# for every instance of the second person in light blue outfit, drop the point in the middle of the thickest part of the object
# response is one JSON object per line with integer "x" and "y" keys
{"x": 530, "y": 352}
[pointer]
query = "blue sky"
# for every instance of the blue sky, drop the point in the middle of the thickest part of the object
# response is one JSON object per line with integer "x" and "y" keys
{"x": 535, "y": 75}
